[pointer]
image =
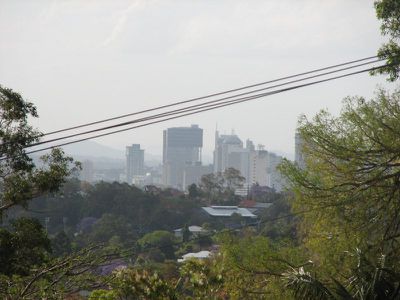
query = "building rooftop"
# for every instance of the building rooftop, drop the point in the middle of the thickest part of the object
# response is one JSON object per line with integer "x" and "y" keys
{"x": 193, "y": 228}
{"x": 199, "y": 255}
{"x": 227, "y": 211}
{"x": 254, "y": 204}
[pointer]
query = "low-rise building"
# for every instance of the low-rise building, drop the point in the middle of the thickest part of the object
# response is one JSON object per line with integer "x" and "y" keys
{"x": 197, "y": 255}
{"x": 194, "y": 231}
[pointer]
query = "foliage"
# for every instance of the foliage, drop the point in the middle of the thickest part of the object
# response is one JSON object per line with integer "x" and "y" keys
{"x": 254, "y": 266}
{"x": 348, "y": 193}
{"x": 135, "y": 284}
{"x": 20, "y": 179}
{"x": 369, "y": 280}
{"x": 111, "y": 226}
{"x": 162, "y": 240}
{"x": 220, "y": 187}
{"x": 201, "y": 280}
{"x": 388, "y": 11}
{"x": 61, "y": 244}
{"x": 59, "y": 277}
{"x": 25, "y": 247}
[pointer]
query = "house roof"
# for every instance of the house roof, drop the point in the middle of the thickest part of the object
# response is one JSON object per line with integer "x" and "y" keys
{"x": 192, "y": 228}
{"x": 254, "y": 204}
{"x": 227, "y": 211}
{"x": 199, "y": 255}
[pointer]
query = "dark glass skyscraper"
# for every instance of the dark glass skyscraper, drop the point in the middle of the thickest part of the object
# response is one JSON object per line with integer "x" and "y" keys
{"x": 181, "y": 147}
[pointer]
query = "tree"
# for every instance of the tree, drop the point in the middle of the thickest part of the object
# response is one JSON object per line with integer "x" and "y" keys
{"x": 25, "y": 247}
{"x": 388, "y": 11}
{"x": 186, "y": 234}
{"x": 20, "y": 179}
{"x": 109, "y": 226}
{"x": 61, "y": 244}
{"x": 233, "y": 179}
{"x": 136, "y": 284}
{"x": 163, "y": 240}
{"x": 193, "y": 191}
{"x": 220, "y": 187}
{"x": 351, "y": 184}
{"x": 212, "y": 185}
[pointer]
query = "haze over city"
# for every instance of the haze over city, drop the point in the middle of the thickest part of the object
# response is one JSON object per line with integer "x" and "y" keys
{"x": 200, "y": 149}
{"x": 85, "y": 61}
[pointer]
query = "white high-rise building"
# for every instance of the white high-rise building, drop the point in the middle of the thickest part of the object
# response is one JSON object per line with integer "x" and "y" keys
{"x": 134, "y": 162}
{"x": 229, "y": 153}
{"x": 274, "y": 177}
{"x": 258, "y": 167}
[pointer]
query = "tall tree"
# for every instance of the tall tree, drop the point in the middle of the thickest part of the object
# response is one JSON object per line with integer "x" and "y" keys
{"x": 20, "y": 179}
{"x": 388, "y": 11}
{"x": 351, "y": 185}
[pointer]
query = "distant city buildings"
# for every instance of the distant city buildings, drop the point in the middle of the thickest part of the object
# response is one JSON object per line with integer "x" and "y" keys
{"x": 181, "y": 148}
{"x": 182, "y": 162}
{"x": 229, "y": 153}
{"x": 256, "y": 166}
{"x": 193, "y": 173}
{"x": 134, "y": 163}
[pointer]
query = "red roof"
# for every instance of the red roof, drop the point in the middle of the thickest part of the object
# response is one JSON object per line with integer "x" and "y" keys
{"x": 247, "y": 203}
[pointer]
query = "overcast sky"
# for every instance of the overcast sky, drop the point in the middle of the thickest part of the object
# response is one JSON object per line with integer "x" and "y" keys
{"x": 82, "y": 61}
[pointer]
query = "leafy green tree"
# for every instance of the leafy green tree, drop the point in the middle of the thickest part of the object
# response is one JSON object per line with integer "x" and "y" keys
{"x": 186, "y": 234}
{"x": 20, "y": 179}
{"x": 61, "y": 244}
{"x": 211, "y": 185}
{"x": 25, "y": 247}
{"x": 220, "y": 187}
{"x": 233, "y": 179}
{"x": 193, "y": 191}
{"x": 135, "y": 284}
{"x": 369, "y": 280}
{"x": 109, "y": 226}
{"x": 350, "y": 186}
{"x": 162, "y": 240}
{"x": 388, "y": 11}
{"x": 59, "y": 278}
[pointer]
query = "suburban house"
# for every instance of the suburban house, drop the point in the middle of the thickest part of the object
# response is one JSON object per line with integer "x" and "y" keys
{"x": 194, "y": 231}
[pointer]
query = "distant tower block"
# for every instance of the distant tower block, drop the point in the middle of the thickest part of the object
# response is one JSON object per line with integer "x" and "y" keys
{"x": 181, "y": 147}
{"x": 134, "y": 162}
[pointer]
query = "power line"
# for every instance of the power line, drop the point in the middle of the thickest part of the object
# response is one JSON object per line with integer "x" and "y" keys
{"x": 202, "y": 109}
{"x": 211, "y": 95}
{"x": 196, "y": 105}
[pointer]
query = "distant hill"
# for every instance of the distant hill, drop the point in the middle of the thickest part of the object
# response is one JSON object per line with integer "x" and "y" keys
{"x": 93, "y": 149}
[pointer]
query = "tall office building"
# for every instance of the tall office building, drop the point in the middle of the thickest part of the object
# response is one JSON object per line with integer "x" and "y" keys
{"x": 258, "y": 167}
{"x": 181, "y": 148}
{"x": 229, "y": 153}
{"x": 134, "y": 162}
{"x": 224, "y": 146}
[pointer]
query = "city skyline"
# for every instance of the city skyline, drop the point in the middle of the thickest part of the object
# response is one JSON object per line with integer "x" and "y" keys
{"x": 113, "y": 61}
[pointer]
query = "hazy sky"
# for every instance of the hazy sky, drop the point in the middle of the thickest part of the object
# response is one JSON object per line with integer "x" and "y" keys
{"x": 81, "y": 61}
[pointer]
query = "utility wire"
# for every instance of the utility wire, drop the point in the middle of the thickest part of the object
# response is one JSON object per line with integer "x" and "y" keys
{"x": 211, "y": 95}
{"x": 202, "y": 109}
{"x": 196, "y": 105}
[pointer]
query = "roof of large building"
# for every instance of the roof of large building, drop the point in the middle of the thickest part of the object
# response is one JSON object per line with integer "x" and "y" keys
{"x": 230, "y": 139}
{"x": 254, "y": 204}
{"x": 199, "y": 255}
{"x": 227, "y": 211}
{"x": 192, "y": 228}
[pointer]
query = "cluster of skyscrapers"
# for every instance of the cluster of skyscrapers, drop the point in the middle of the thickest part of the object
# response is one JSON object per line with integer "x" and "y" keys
{"x": 182, "y": 160}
